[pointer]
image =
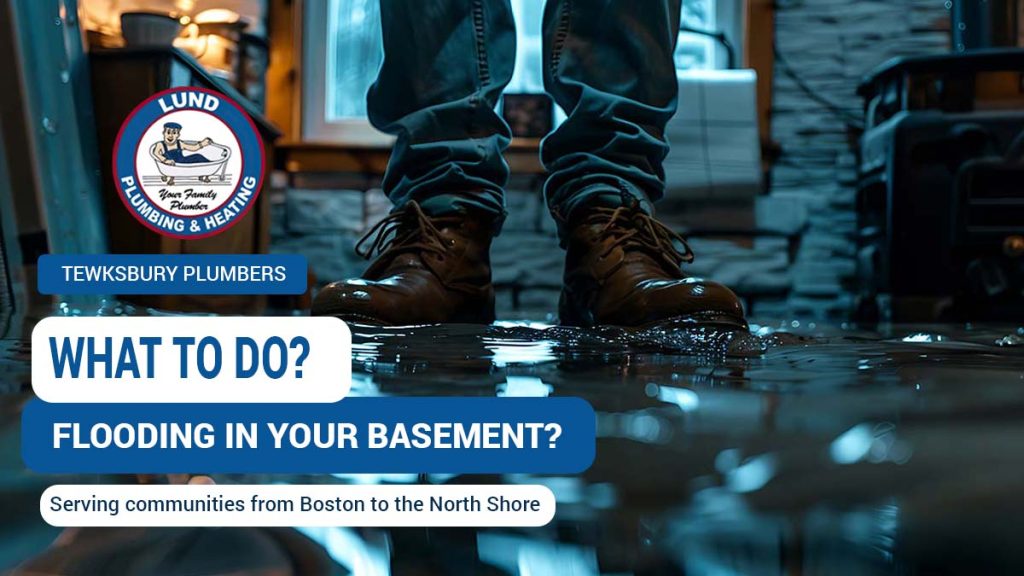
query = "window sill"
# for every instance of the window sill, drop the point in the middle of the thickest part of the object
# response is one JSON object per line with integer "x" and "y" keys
{"x": 372, "y": 160}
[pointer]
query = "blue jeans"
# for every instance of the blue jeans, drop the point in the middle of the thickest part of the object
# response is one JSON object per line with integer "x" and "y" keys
{"x": 607, "y": 63}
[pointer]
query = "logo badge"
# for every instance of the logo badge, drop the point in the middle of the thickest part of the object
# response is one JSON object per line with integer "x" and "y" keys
{"x": 188, "y": 163}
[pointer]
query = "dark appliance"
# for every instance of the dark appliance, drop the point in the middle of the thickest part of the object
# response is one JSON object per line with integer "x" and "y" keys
{"x": 528, "y": 115}
{"x": 941, "y": 189}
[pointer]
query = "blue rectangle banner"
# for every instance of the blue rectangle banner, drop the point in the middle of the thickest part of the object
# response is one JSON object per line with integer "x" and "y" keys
{"x": 355, "y": 435}
{"x": 206, "y": 274}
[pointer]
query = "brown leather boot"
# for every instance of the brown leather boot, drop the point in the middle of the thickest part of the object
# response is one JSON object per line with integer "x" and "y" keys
{"x": 428, "y": 270}
{"x": 622, "y": 269}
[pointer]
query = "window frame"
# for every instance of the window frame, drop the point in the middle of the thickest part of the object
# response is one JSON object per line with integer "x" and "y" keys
{"x": 316, "y": 61}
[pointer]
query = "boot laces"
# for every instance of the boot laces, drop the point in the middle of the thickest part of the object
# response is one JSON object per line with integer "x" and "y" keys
{"x": 631, "y": 227}
{"x": 406, "y": 230}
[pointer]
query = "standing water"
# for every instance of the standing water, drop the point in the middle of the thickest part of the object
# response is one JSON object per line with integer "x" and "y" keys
{"x": 812, "y": 451}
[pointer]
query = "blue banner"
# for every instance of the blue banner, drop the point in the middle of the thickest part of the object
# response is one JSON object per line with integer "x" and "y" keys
{"x": 68, "y": 274}
{"x": 355, "y": 435}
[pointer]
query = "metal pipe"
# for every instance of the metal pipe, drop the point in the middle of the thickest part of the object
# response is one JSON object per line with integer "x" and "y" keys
{"x": 980, "y": 24}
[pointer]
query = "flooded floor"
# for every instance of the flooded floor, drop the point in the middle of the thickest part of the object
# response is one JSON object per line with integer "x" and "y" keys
{"x": 799, "y": 449}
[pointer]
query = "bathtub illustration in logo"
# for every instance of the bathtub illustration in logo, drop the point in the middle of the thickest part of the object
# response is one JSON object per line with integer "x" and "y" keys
{"x": 188, "y": 163}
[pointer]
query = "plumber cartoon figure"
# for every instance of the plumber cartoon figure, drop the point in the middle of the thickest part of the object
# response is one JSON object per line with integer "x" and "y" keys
{"x": 170, "y": 150}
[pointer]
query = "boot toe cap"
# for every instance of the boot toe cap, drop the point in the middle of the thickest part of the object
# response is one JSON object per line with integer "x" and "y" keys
{"x": 716, "y": 297}
{"x": 695, "y": 298}
{"x": 351, "y": 300}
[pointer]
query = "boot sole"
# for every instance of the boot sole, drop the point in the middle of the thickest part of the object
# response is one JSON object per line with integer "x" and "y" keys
{"x": 572, "y": 314}
{"x": 701, "y": 320}
{"x": 694, "y": 320}
{"x": 366, "y": 320}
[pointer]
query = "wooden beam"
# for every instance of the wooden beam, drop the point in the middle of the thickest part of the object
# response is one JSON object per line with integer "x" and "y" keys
{"x": 759, "y": 54}
{"x": 284, "y": 19}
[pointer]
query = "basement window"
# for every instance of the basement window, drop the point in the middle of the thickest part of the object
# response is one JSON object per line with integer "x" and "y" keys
{"x": 342, "y": 53}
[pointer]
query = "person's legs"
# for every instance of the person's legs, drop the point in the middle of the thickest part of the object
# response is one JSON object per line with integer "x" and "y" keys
{"x": 609, "y": 64}
{"x": 445, "y": 65}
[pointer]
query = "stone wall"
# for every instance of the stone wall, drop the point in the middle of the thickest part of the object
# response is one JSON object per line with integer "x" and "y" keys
{"x": 324, "y": 222}
{"x": 829, "y": 45}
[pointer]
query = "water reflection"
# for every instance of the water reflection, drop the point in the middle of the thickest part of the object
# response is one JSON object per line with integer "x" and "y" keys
{"x": 832, "y": 451}
{"x": 364, "y": 552}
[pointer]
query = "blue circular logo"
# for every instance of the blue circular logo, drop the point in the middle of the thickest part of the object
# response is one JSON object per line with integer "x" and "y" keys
{"x": 188, "y": 163}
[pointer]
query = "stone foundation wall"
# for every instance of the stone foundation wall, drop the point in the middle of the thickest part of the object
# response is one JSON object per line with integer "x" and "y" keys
{"x": 830, "y": 45}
